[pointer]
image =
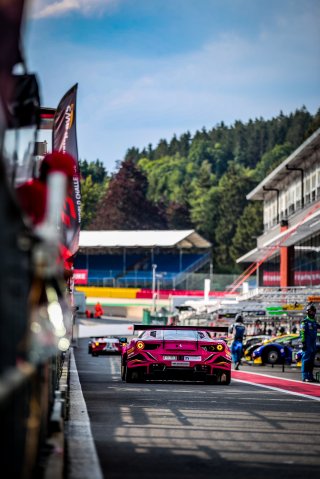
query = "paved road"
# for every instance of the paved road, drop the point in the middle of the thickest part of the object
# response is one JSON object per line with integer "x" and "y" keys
{"x": 186, "y": 430}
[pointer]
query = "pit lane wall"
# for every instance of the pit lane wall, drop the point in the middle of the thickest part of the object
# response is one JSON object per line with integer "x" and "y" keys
{"x": 101, "y": 292}
{"x": 131, "y": 302}
{"x": 141, "y": 293}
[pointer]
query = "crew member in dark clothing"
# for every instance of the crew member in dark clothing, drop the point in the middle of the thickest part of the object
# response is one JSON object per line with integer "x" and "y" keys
{"x": 308, "y": 335}
{"x": 238, "y": 330}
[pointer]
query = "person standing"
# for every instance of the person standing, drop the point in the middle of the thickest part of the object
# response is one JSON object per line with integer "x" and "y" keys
{"x": 238, "y": 330}
{"x": 98, "y": 311}
{"x": 308, "y": 335}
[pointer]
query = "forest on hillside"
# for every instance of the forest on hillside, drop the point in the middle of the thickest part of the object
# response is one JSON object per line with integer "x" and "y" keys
{"x": 196, "y": 182}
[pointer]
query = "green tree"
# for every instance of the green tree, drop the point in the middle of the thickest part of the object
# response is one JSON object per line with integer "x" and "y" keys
{"x": 162, "y": 149}
{"x": 91, "y": 193}
{"x": 174, "y": 146}
{"x": 200, "y": 150}
{"x": 299, "y": 123}
{"x": 241, "y": 143}
{"x": 204, "y": 211}
{"x": 271, "y": 159}
{"x": 233, "y": 186}
{"x": 248, "y": 228}
{"x": 184, "y": 144}
{"x": 95, "y": 169}
{"x": 220, "y": 160}
{"x": 169, "y": 179}
{"x": 132, "y": 154}
{"x": 178, "y": 216}
{"x": 125, "y": 206}
{"x": 314, "y": 125}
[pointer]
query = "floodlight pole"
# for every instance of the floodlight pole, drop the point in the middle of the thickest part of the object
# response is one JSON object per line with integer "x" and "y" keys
{"x": 154, "y": 267}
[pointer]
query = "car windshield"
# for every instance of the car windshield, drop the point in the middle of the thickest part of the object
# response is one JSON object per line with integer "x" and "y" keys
{"x": 175, "y": 334}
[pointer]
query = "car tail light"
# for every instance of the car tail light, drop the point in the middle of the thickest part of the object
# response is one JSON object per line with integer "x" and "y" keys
{"x": 147, "y": 346}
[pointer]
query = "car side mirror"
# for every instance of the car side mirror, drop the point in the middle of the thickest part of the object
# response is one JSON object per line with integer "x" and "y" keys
{"x": 123, "y": 340}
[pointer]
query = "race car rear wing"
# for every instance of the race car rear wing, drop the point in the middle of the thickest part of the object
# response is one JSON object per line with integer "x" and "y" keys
{"x": 214, "y": 329}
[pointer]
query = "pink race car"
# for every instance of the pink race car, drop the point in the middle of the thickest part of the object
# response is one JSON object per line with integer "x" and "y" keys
{"x": 176, "y": 352}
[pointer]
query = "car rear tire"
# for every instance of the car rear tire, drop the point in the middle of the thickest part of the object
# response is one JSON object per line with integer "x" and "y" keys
{"x": 227, "y": 379}
{"x": 134, "y": 376}
{"x": 128, "y": 376}
{"x": 123, "y": 371}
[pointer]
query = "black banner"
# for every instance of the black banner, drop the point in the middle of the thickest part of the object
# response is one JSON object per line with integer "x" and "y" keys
{"x": 64, "y": 138}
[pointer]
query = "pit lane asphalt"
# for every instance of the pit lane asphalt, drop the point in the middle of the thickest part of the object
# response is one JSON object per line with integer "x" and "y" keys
{"x": 178, "y": 430}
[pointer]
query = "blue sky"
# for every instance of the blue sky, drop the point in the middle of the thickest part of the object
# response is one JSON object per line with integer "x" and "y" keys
{"x": 149, "y": 69}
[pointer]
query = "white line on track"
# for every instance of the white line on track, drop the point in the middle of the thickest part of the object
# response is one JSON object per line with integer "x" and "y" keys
{"x": 273, "y": 377}
{"x": 306, "y": 396}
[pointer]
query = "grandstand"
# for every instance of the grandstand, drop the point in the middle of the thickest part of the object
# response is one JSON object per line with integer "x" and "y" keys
{"x": 133, "y": 258}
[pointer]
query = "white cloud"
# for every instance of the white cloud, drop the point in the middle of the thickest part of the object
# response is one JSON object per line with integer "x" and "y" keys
{"x": 129, "y": 101}
{"x": 59, "y": 8}
{"x": 126, "y": 100}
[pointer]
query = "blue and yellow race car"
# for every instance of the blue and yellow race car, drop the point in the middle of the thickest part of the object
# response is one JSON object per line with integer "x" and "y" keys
{"x": 278, "y": 350}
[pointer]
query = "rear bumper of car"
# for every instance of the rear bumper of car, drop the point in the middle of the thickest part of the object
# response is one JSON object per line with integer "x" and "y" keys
{"x": 165, "y": 370}
{"x": 102, "y": 351}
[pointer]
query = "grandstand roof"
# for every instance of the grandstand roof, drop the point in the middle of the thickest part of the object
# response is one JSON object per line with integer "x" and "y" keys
{"x": 141, "y": 239}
